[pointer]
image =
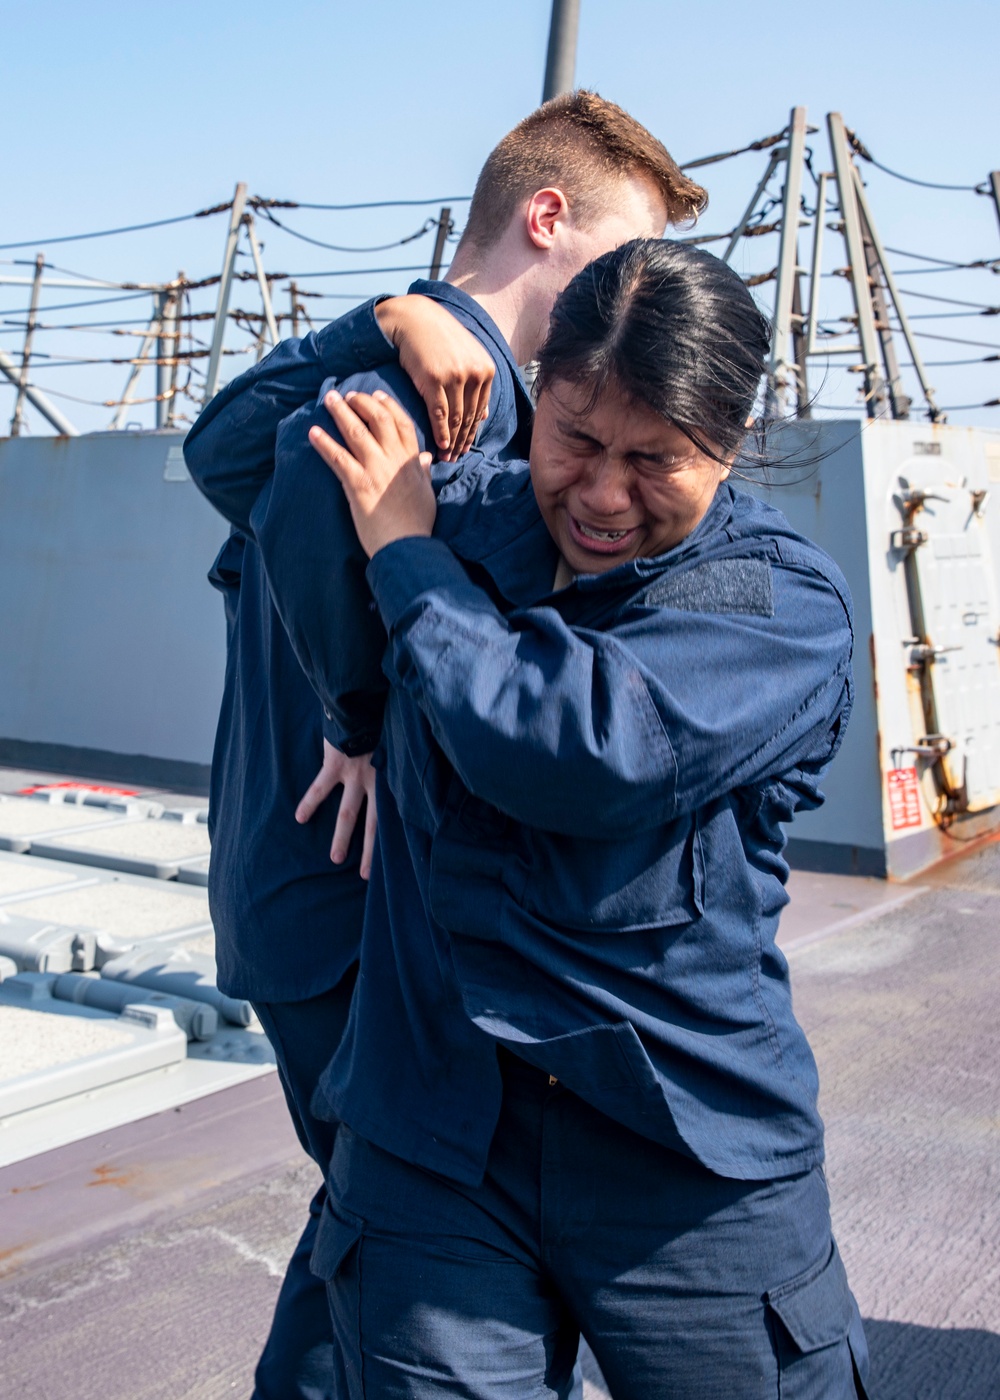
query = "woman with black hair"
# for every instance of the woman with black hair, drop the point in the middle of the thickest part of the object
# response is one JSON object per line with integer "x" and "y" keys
{"x": 573, "y": 1093}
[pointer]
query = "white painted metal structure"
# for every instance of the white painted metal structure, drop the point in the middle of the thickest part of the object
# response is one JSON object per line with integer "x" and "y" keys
{"x": 907, "y": 511}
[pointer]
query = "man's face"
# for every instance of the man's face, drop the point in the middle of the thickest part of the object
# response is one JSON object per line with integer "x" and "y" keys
{"x": 613, "y": 480}
{"x": 635, "y": 209}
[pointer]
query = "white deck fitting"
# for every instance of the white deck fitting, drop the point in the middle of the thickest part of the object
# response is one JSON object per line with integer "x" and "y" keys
{"x": 196, "y": 873}
{"x": 197, "y": 1020}
{"x": 163, "y": 967}
{"x": 38, "y": 945}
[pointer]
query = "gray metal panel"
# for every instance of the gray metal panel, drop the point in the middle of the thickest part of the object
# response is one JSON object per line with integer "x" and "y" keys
{"x": 113, "y": 640}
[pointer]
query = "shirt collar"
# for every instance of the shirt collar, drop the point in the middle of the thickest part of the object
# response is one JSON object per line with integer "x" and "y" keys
{"x": 506, "y": 535}
{"x": 714, "y": 521}
{"x": 461, "y": 301}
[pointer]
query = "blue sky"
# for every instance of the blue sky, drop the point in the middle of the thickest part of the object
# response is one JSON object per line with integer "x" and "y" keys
{"x": 125, "y": 113}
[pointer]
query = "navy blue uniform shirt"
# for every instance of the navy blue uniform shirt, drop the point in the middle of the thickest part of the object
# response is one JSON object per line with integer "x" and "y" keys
{"x": 580, "y": 833}
{"x": 287, "y": 921}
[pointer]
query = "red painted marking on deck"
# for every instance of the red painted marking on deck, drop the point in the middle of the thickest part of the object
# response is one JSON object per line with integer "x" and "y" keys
{"x": 77, "y": 787}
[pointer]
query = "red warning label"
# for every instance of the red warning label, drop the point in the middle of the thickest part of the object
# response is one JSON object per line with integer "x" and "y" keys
{"x": 904, "y": 798}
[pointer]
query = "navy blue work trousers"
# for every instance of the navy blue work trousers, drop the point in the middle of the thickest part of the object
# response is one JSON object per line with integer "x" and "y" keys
{"x": 300, "y": 1360}
{"x": 686, "y": 1285}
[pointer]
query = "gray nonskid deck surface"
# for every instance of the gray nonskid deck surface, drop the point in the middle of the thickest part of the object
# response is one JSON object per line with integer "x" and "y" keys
{"x": 166, "y": 1287}
{"x": 902, "y": 1012}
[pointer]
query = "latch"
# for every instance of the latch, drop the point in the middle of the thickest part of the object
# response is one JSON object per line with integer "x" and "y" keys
{"x": 979, "y": 499}
{"x": 907, "y": 539}
{"x": 932, "y": 746}
{"x": 923, "y": 652}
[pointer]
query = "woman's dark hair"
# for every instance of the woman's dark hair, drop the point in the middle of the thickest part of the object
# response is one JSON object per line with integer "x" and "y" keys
{"x": 667, "y": 325}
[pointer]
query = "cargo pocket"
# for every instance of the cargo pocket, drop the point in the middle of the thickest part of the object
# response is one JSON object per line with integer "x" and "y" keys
{"x": 818, "y": 1336}
{"x": 336, "y": 1258}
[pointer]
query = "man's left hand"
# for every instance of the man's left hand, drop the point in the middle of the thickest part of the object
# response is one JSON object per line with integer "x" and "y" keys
{"x": 358, "y": 779}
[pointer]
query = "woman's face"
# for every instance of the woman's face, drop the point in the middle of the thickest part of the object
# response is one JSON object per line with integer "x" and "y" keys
{"x": 613, "y": 480}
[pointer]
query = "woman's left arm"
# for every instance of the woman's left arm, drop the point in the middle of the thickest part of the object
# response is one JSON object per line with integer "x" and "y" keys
{"x": 592, "y": 734}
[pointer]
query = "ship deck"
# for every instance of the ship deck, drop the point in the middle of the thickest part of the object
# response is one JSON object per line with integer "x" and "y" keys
{"x": 141, "y": 1261}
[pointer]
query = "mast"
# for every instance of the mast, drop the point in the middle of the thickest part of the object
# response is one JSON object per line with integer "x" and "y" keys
{"x": 560, "y": 61}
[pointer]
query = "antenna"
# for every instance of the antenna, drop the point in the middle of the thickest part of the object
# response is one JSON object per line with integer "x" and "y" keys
{"x": 796, "y": 332}
{"x": 444, "y": 227}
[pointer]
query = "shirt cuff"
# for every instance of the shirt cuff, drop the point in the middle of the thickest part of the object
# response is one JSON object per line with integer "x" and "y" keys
{"x": 352, "y": 746}
{"x": 404, "y": 570}
{"x": 359, "y": 329}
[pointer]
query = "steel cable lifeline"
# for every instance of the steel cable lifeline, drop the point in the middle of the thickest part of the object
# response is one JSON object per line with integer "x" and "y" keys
{"x": 110, "y": 232}
{"x": 341, "y": 248}
{"x": 953, "y": 301}
{"x": 263, "y": 205}
{"x": 178, "y": 326}
{"x": 860, "y": 149}
{"x": 255, "y": 203}
{"x": 945, "y": 263}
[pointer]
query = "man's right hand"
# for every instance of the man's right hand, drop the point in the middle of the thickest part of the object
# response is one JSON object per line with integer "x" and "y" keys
{"x": 358, "y": 779}
{"x": 450, "y": 370}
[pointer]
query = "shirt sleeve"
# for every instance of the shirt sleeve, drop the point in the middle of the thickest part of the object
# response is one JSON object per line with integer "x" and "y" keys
{"x": 588, "y": 733}
{"x": 315, "y": 568}
{"x": 230, "y": 450}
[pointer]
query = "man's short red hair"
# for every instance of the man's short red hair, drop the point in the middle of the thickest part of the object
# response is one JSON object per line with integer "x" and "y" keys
{"x": 583, "y": 145}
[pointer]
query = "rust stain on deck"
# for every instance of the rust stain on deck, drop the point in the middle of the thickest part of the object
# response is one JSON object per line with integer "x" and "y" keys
{"x": 108, "y": 1175}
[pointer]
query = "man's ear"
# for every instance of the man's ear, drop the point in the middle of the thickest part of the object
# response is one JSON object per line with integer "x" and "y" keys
{"x": 546, "y": 209}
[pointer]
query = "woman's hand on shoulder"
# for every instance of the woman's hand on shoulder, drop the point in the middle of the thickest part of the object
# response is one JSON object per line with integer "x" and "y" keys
{"x": 450, "y": 369}
{"x": 381, "y": 468}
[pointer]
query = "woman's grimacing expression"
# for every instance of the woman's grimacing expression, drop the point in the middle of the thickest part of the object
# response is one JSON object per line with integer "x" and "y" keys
{"x": 614, "y": 481}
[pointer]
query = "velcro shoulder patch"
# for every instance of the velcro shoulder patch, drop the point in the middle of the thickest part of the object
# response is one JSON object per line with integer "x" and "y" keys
{"x": 718, "y": 586}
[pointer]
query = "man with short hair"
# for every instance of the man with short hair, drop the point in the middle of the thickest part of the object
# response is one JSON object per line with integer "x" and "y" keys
{"x": 576, "y": 178}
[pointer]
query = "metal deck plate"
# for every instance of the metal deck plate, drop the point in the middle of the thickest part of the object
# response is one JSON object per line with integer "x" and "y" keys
{"x": 150, "y": 840}
{"x": 67, "y": 1093}
{"x": 52, "y": 1050}
{"x": 129, "y": 909}
{"x": 22, "y": 819}
{"x": 20, "y": 876}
